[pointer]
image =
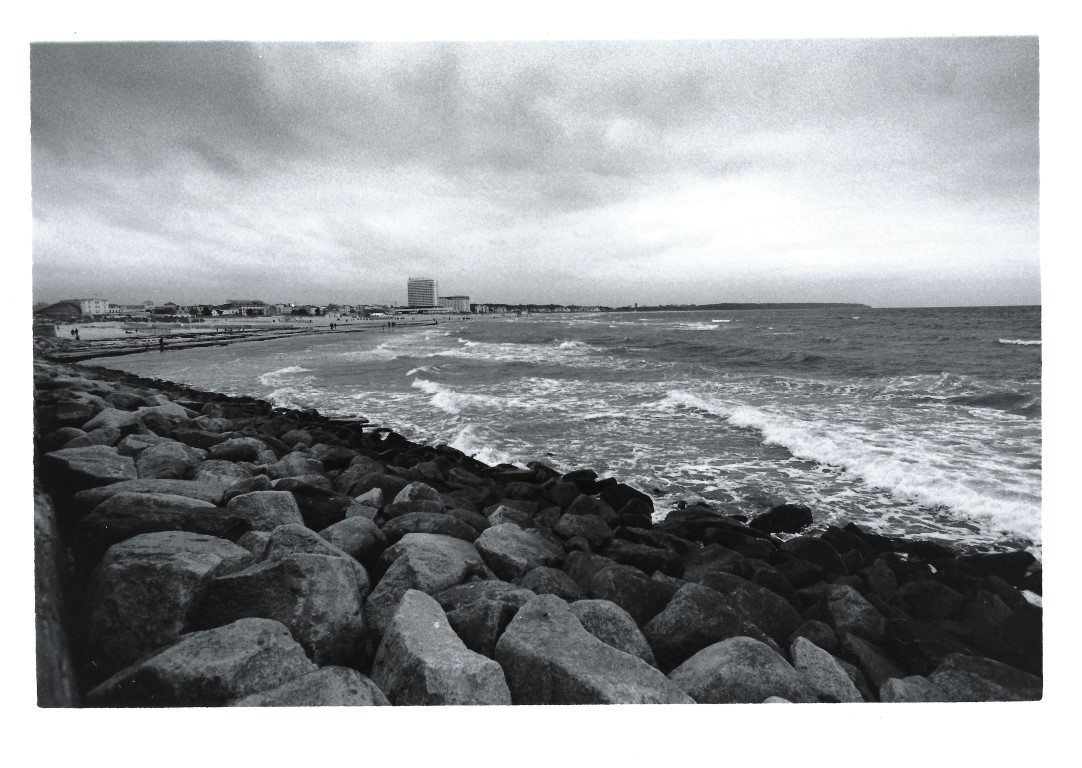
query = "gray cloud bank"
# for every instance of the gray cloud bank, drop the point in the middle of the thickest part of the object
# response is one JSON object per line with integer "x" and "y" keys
{"x": 892, "y": 172}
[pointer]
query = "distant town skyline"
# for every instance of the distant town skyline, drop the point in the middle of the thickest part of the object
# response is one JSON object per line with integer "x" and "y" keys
{"x": 890, "y": 172}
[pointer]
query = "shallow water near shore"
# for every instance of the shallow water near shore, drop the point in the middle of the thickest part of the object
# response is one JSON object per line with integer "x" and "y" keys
{"x": 922, "y": 422}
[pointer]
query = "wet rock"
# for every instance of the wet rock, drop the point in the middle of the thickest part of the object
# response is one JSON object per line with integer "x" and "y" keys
{"x": 294, "y": 465}
{"x": 549, "y": 658}
{"x": 419, "y": 492}
{"x": 421, "y": 661}
{"x": 709, "y": 559}
{"x": 326, "y": 687}
{"x": 784, "y": 518}
{"x": 740, "y": 670}
{"x": 209, "y": 668}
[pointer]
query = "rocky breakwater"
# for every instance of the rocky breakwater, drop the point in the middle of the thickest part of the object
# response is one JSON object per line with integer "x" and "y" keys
{"x": 196, "y": 549}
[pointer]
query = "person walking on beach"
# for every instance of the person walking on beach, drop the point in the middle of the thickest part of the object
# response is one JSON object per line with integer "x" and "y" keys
{"x": 161, "y": 343}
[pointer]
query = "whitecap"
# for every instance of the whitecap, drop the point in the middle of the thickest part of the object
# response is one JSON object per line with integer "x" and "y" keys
{"x": 271, "y": 378}
{"x": 1021, "y": 342}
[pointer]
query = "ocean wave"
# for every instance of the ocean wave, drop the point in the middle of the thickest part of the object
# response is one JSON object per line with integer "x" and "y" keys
{"x": 882, "y": 462}
{"x": 1021, "y": 342}
{"x": 271, "y": 378}
{"x": 454, "y": 403}
{"x": 467, "y": 441}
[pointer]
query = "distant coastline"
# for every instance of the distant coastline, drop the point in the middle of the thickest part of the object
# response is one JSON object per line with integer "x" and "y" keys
{"x": 736, "y": 307}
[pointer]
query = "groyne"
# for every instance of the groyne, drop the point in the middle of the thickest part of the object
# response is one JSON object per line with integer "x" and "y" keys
{"x": 198, "y": 549}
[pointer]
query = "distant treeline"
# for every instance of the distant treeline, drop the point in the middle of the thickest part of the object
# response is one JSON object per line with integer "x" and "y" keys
{"x": 728, "y": 307}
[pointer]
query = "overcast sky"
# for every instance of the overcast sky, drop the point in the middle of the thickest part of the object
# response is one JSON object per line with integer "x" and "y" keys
{"x": 886, "y": 172}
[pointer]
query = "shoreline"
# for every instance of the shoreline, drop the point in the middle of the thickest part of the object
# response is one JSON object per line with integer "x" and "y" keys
{"x": 512, "y": 558}
{"x": 78, "y": 350}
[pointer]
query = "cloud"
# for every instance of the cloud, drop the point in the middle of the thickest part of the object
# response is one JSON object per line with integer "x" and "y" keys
{"x": 329, "y": 171}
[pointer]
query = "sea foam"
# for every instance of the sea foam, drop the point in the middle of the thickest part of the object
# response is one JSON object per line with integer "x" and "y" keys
{"x": 891, "y": 462}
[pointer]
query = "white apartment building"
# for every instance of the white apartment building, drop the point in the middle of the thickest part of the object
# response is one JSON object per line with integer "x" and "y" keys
{"x": 421, "y": 292}
{"x": 456, "y": 303}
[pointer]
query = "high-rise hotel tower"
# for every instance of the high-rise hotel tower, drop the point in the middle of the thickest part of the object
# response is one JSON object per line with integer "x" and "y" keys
{"x": 421, "y": 292}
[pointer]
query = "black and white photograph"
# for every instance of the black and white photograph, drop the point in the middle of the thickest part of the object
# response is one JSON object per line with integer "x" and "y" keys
{"x": 542, "y": 370}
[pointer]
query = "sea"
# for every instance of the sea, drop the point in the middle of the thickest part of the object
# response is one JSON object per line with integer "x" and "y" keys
{"x": 915, "y": 422}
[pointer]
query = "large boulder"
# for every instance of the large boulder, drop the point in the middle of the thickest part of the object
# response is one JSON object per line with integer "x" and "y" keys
{"x": 358, "y": 536}
{"x": 455, "y": 597}
{"x": 295, "y": 465}
{"x": 224, "y": 472}
{"x": 419, "y": 492}
{"x": 823, "y": 673}
{"x": 784, "y": 518}
{"x": 911, "y": 690}
{"x": 237, "y": 449}
{"x": 632, "y": 590}
{"x": 422, "y": 661}
{"x": 315, "y": 596}
{"x": 326, "y": 687}
{"x": 590, "y": 527}
{"x": 646, "y": 558}
{"x": 695, "y": 617}
{"x": 426, "y": 562}
{"x": 973, "y": 678}
{"x": 209, "y": 668}
{"x": 266, "y": 510}
{"x": 740, "y": 670}
{"x": 511, "y": 552}
{"x": 613, "y": 626}
{"x": 76, "y": 469}
{"x": 591, "y": 505}
{"x": 168, "y": 460}
{"x": 142, "y": 591}
{"x": 124, "y": 515}
{"x": 549, "y": 658}
{"x": 849, "y": 611}
{"x": 869, "y": 659}
{"x": 211, "y": 492}
{"x": 427, "y": 522}
{"x": 816, "y": 551}
{"x": 295, "y": 539}
{"x": 481, "y": 622}
{"x": 764, "y": 608}
{"x": 320, "y": 507}
{"x": 544, "y": 580}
